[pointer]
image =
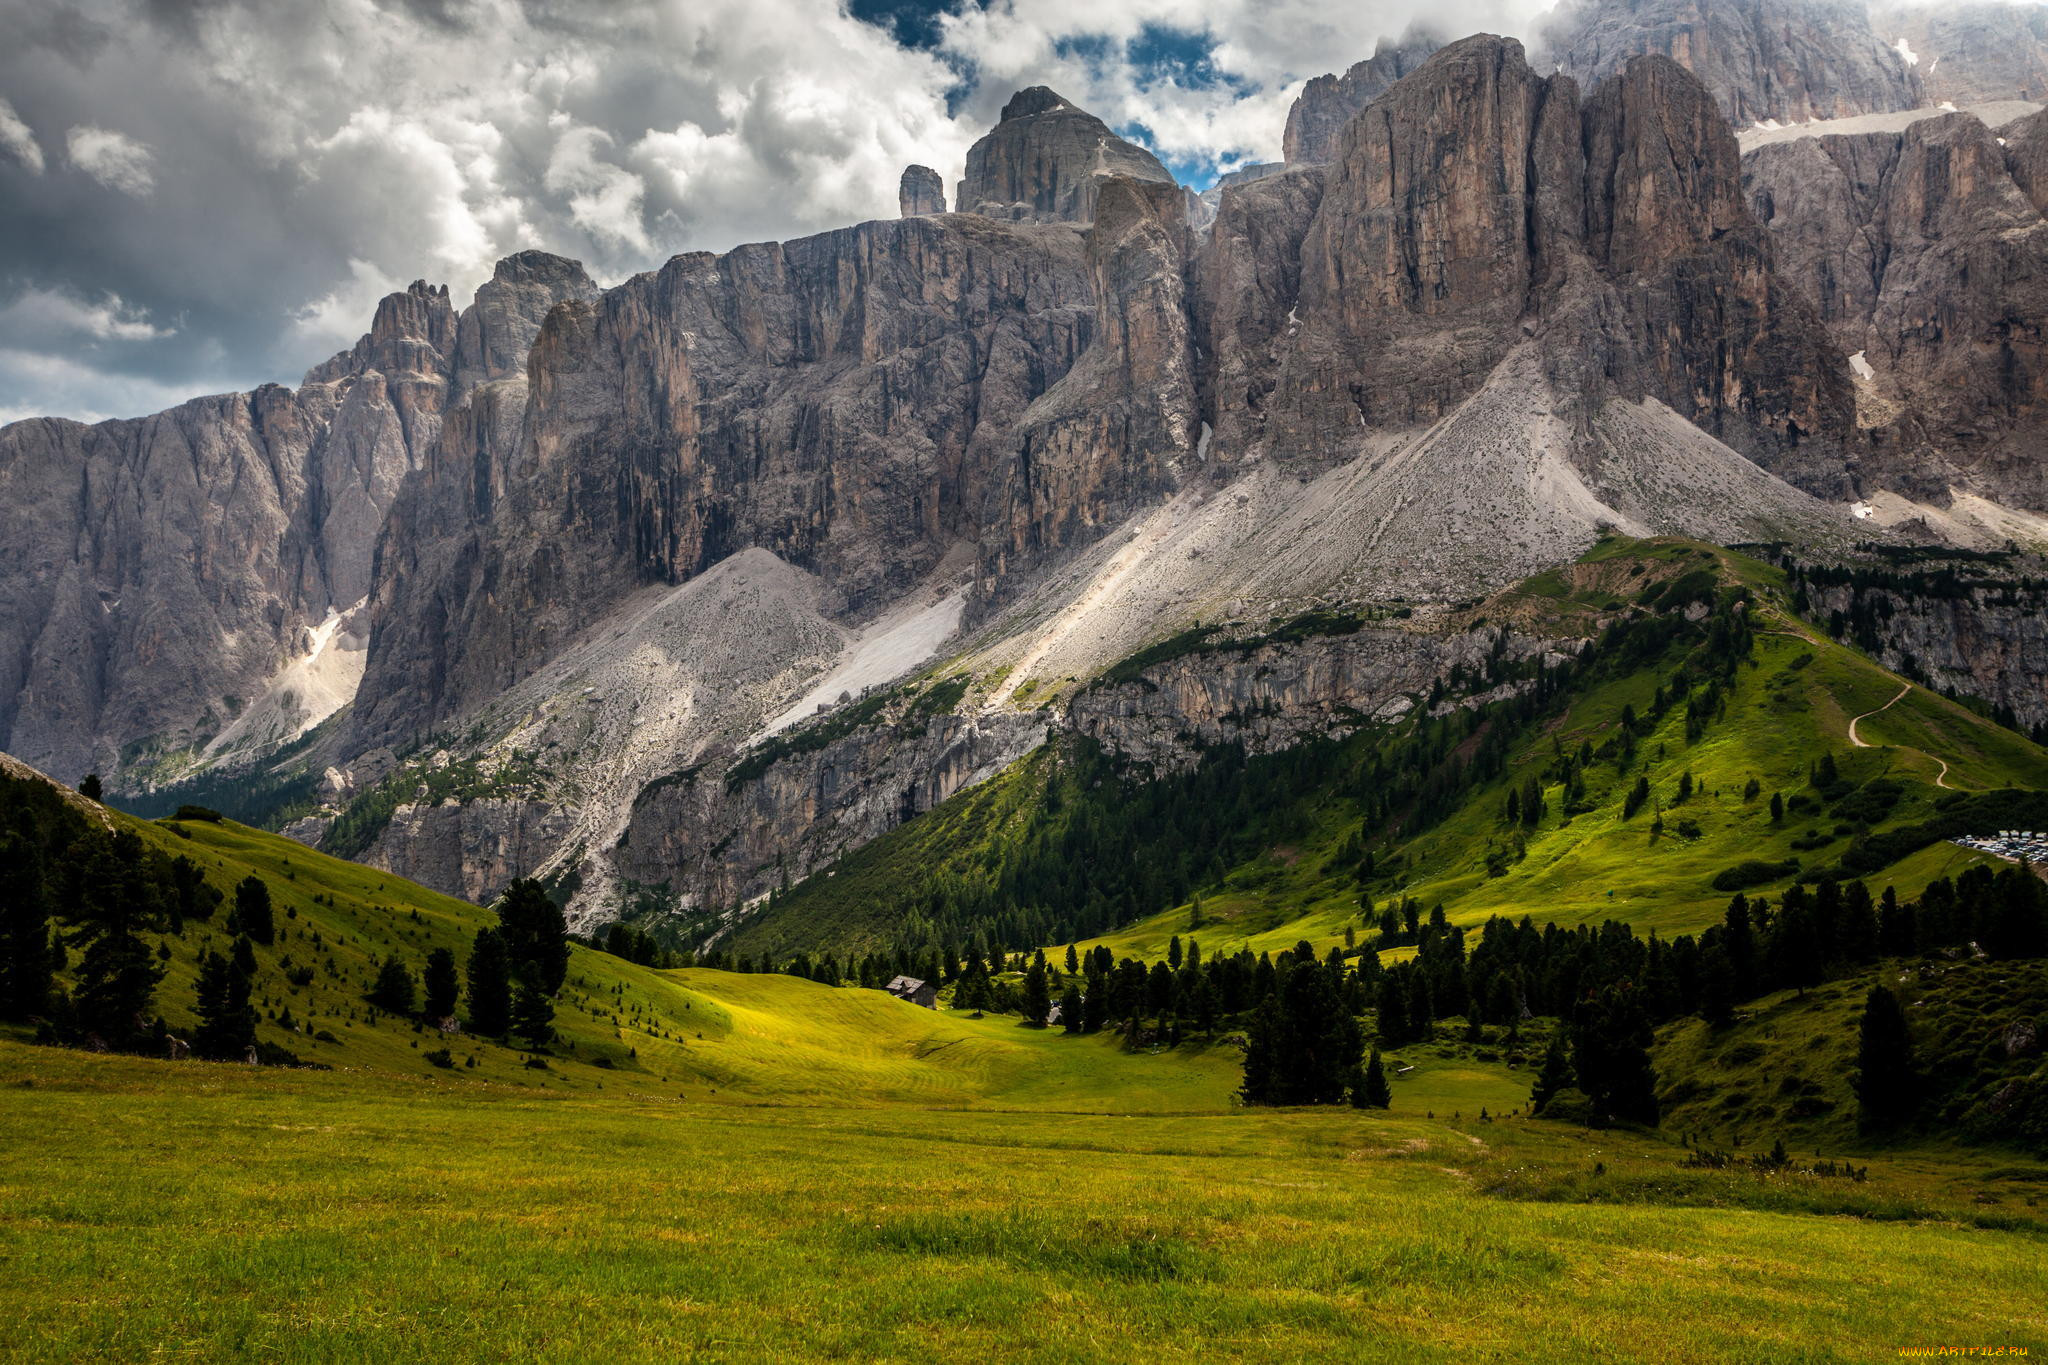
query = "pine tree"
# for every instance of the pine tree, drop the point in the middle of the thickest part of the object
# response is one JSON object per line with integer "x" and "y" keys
{"x": 1373, "y": 1092}
{"x": 117, "y": 974}
{"x": 1555, "y": 1075}
{"x": 1072, "y": 1011}
{"x": 252, "y": 913}
{"x": 227, "y": 1023}
{"x": 1887, "y": 1086}
{"x": 1037, "y": 996}
{"x": 1777, "y": 808}
{"x": 25, "y": 967}
{"x": 536, "y": 933}
{"x": 393, "y": 992}
{"x": 90, "y": 787}
{"x": 533, "y": 1010}
{"x": 439, "y": 985}
{"x": 490, "y": 985}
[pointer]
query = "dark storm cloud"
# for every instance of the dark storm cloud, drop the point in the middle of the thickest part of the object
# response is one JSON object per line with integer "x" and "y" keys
{"x": 206, "y": 194}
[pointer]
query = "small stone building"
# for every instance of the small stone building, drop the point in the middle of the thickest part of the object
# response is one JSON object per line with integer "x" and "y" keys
{"x": 915, "y": 991}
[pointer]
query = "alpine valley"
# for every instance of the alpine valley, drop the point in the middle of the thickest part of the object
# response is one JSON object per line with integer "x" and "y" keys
{"x": 1450, "y": 728}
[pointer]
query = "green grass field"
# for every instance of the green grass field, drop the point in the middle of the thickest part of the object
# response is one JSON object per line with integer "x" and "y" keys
{"x": 205, "y": 1211}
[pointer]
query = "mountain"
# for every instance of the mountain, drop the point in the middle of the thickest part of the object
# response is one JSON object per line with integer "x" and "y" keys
{"x": 1921, "y": 248}
{"x": 676, "y": 592}
{"x": 1970, "y": 53}
{"x": 161, "y": 579}
{"x": 1261, "y": 788}
{"x": 1046, "y": 160}
{"x": 1327, "y": 103}
{"x": 1782, "y": 61}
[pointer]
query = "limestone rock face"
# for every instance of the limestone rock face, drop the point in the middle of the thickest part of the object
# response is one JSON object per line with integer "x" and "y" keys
{"x": 156, "y": 573}
{"x": 920, "y": 192}
{"x": 848, "y": 402}
{"x": 1271, "y": 697}
{"x": 1968, "y": 53}
{"x": 1923, "y": 253}
{"x": 715, "y": 847}
{"x": 1477, "y": 205}
{"x": 1788, "y": 60}
{"x": 497, "y": 330}
{"x": 1046, "y": 160}
{"x": 1329, "y": 102}
{"x": 1112, "y": 433}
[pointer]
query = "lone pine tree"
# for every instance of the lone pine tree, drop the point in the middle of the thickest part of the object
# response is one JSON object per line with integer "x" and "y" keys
{"x": 439, "y": 985}
{"x": 252, "y": 913}
{"x": 1887, "y": 1085}
{"x": 227, "y": 1023}
{"x": 490, "y": 985}
{"x": 1372, "y": 1091}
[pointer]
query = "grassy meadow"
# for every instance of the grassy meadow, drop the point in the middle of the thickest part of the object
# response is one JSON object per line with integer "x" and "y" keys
{"x": 210, "y": 1211}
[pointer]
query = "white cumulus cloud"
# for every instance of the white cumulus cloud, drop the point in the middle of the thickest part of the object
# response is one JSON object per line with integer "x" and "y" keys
{"x": 114, "y": 159}
{"x": 19, "y": 141}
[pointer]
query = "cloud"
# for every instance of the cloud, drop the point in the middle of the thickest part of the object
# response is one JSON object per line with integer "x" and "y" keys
{"x": 59, "y": 385}
{"x": 114, "y": 159}
{"x": 18, "y": 141}
{"x": 56, "y": 312}
{"x": 302, "y": 159}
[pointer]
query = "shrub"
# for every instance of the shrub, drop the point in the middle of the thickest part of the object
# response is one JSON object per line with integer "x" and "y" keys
{"x": 1754, "y": 872}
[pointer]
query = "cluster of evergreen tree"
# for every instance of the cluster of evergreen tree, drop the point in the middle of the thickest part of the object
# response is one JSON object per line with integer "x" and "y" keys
{"x": 516, "y": 969}
{"x": 77, "y": 898}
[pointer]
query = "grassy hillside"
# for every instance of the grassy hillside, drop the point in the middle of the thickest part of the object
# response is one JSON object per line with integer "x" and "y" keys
{"x": 1784, "y": 1069}
{"x": 1789, "y": 703}
{"x": 688, "y": 1034}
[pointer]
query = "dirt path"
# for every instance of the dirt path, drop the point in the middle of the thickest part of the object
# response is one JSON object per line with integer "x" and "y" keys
{"x": 1940, "y": 778}
{"x": 1858, "y": 741}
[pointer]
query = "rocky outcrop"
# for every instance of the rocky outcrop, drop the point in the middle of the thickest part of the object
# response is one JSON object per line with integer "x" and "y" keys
{"x": 1112, "y": 433}
{"x": 1791, "y": 61}
{"x": 1267, "y": 697}
{"x": 848, "y": 402}
{"x": 495, "y": 333}
{"x": 1477, "y": 204}
{"x": 712, "y": 845}
{"x": 1046, "y": 160}
{"x": 1985, "y": 640}
{"x": 159, "y": 575}
{"x": 921, "y": 191}
{"x": 1967, "y": 53}
{"x": 1923, "y": 253}
{"x": 472, "y": 848}
{"x": 1329, "y": 102}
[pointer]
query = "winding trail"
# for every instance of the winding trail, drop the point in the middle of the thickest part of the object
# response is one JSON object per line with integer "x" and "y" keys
{"x": 1940, "y": 778}
{"x": 1856, "y": 740}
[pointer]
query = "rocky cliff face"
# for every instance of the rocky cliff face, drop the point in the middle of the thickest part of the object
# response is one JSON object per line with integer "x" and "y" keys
{"x": 1327, "y": 103}
{"x": 158, "y": 577}
{"x": 1477, "y": 204}
{"x": 1983, "y": 639}
{"x": 711, "y": 845}
{"x": 846, "y": 402}
{"x": 1968, "y": 54}
{"x": 921, "y": 191}
{"x": 1269, "y": 697}
{"x": 1046, "y": 160}
{"x": 1923, "y": 253}
{"x": 1791, "y": 61}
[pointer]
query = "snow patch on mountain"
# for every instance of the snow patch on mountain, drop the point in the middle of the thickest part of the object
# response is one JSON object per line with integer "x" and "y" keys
{"x": 311, "y": 686}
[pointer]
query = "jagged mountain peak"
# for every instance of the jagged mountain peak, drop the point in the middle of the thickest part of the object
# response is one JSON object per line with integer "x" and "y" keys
{"x": 1045, "y": 159}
